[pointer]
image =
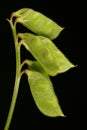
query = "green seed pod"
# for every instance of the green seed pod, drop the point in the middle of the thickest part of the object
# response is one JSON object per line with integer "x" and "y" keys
{"x": 38, "y": 23}
{"x": 43, "y": 93}
{"x": 46, "y": 53}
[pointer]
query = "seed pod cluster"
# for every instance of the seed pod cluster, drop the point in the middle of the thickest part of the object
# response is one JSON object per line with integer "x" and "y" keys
{"x": 50, "y": 61}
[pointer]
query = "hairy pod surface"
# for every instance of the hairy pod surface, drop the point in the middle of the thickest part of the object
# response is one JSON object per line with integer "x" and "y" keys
{"x": 38, "y": 23}
{"x": 46, "y": 53}
{"x": 43, "y": 93}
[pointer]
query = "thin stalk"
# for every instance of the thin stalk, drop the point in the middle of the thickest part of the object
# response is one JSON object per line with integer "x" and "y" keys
{"x": 17, "y": 78}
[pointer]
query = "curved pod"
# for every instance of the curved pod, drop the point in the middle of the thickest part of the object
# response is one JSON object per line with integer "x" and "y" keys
{"x": 38, "y": 23}
{"x": 47, "y": 54}
{"x": 43, "y": 94}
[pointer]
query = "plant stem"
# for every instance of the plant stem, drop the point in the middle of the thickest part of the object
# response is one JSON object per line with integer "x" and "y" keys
{"x": 17, "y": 78}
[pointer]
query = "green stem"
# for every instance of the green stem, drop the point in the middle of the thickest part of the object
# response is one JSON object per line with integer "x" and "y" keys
{"x": 17, "y": 78}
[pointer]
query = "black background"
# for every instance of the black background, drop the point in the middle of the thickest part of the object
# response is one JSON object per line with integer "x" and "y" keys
{"x": 68, "y": 86}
